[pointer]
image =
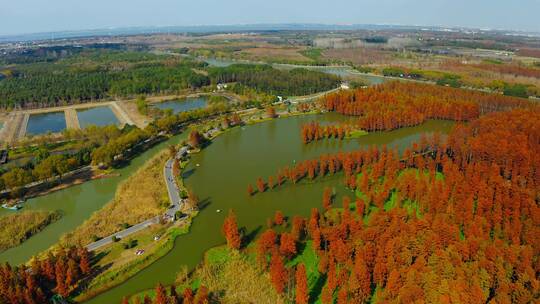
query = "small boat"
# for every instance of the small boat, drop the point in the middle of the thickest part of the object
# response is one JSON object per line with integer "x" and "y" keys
{"x": 12, "y": 207}
{"x": 218, "y": 211}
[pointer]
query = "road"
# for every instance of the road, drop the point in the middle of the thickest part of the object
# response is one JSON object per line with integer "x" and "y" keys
{"x": 124, "y": 233}
{"x": 176, "y": 202}
{"x": 172, "y": 189}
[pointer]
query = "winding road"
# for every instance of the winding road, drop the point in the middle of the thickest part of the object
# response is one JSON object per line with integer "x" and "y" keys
{"x": 174, "y": 197}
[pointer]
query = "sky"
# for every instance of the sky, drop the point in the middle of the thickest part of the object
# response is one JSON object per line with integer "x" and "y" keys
{"x": 34, "y": 16}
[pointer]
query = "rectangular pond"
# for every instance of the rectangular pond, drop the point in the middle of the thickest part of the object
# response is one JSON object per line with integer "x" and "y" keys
{"x": 98, "y": 116}
{"x": 183, "y": 105}
{"x": 53, "y": 122}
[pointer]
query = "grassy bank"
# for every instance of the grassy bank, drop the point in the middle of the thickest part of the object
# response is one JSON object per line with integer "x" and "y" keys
{"x": 124, "y": 263}
{"x": 230, "y": 275}
{"x": 16, "y": 228}
{"x": 142, "y": 196}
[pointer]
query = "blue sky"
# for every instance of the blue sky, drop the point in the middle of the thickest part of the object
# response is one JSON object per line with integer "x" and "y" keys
{"x": 30, "y": 16}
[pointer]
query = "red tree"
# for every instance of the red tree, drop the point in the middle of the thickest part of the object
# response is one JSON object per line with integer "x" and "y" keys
{"x": 230, "y": 230}
{"x": 302, "y": 295}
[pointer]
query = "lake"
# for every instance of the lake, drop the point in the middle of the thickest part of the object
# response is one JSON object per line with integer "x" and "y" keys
{"x": 238, "y": 158}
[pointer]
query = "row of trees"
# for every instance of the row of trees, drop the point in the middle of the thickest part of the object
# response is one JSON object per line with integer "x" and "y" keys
{"x": 454, "y": 221}
{"x": 57, "y": 274}
{"x": 201, "y": 296}
{"x": 313, "y": 131}
{"x": 399, "y": 104}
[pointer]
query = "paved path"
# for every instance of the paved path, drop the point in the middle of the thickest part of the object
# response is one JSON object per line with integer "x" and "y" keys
{"x": 176, "y": 202}
{"x": 172, "y": 189}
{"x": 313, "y": 96}
{"x": 124, "y": 233}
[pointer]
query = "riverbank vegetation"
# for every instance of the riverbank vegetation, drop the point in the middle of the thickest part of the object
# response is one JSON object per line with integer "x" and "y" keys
{"x": 142, "y": 196}
{"x": 119, "y": 263}
{"x": 16, "y": 228}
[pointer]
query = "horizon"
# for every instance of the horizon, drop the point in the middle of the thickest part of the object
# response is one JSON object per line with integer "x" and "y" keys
{"x": 33, "y": 17}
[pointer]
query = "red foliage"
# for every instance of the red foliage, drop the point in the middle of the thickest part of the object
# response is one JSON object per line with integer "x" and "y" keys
{"x": 476, "y": 240}
{"x": 279, "y": 218}
{"x": 287, "y": 245}
{"x": 230, "y": 230}
{"x": 57, "y": 273}
{"x": 399, "y": 104}
{"x": 302, "y": 291}
{"x": 278, "y": 273}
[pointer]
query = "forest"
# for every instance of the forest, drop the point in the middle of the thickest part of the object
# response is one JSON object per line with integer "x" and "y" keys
{"x": 401, "y": 104}
{"x": 51, "y": 86}
{"x": 450, "y": 220}
{"x": 90, "y": 75}
{"x": 266, "y": 79}
{"x": 55, "y": 276}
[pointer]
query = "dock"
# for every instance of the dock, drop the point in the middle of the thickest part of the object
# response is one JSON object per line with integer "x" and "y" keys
{"x": 72, "y": 120}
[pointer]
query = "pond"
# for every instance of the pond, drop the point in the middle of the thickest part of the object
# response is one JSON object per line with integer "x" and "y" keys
{"x": 183, "y": 105}
{"x": 219, "y": 175}
{"x": 98, "y": 116}
{"x": 53, "y": 122}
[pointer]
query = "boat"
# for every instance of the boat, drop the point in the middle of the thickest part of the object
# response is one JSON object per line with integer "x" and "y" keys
{"x": 12, "y": 207}
{"x": 16, "y": 206}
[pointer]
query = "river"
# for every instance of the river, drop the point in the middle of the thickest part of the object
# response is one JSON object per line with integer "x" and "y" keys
{"x": 237, "y": 158}
{"x": 76, "y": 203}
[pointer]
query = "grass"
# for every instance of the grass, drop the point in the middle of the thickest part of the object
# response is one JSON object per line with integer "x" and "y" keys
{"x": 316, "y": 280}
{"x": 142, "y": 196}
{"x": 16, "y": 228}
{"x": 236, "y": 278}
{"x": 356, "y": 134}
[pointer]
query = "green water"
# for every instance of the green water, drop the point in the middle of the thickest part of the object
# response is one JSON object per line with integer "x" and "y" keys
{"x": 77, "y": 203}
{"x": 237, "y": 158}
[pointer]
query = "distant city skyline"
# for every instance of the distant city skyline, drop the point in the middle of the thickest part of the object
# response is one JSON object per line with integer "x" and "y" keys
{"x": 35, "y": 16}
